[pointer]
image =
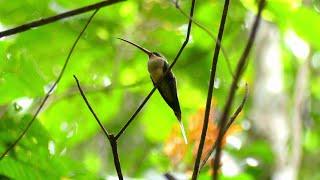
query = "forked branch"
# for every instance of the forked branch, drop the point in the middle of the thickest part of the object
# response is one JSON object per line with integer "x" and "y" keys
{"x": 231, "y": 121}
{"x": 111, "y": 138}
{"x": 239, "y": 71}
{"x": 210, "y": 90}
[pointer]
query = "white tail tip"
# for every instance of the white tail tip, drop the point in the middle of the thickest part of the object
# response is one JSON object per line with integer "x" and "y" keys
{"x": 183, "y": 132}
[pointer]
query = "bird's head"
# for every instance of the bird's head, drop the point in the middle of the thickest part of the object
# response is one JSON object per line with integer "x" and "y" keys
{"x": 155, "y": 55}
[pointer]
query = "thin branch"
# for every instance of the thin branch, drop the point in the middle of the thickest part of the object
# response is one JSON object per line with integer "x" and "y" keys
{"x": 232, "y": 119}
{"x": 105, "y": 131}
{"x": 111, "y": 138}
{"x": 169, "y": 176}
{"x": 210, "y": 90}
{"x": 239, "y": 71}
{"x": 146, "y": 99}
{"x": 41, "y": 22}
{"x": 170, "y": 67}
{"x": 50, "y": 90}
{"x": 224, "y": 52}
{"x": 114, "y": 147}
{"x": 239, "y": 109}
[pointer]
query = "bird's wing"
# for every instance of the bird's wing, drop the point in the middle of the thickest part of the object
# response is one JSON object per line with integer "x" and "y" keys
{"x": 169, "y": 85}
{"x": 168, "y": 91}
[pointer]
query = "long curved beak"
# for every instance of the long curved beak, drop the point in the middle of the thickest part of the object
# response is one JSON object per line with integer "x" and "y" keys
{"x": 139, "y": 47}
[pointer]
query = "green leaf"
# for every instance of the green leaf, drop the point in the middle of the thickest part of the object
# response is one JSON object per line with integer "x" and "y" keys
{"x": 35, "y": 156}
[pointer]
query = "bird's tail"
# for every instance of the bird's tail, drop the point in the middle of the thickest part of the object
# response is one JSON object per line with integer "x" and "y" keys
{"x": 183, "y": 132}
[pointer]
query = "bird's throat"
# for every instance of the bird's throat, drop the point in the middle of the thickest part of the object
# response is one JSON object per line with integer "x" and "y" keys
{"x": 155, "y": 68}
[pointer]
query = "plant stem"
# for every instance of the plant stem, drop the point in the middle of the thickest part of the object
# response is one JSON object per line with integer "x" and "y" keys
{"x": 210, "y": 90}
{"x": 239, "y": 71}
{"x": 48, "y": 20}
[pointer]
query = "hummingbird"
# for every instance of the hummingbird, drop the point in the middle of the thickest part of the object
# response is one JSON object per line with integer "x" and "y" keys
{"x": 167, "y": 87}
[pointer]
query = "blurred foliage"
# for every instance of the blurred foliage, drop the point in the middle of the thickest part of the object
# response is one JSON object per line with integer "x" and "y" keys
{"x": 65, "y": 141}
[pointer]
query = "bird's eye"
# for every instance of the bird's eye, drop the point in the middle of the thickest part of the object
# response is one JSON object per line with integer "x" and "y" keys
{"x": 157, "y": 54}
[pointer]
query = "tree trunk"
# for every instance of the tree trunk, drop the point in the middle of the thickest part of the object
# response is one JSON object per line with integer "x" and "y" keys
{"x": 269, "y": 112}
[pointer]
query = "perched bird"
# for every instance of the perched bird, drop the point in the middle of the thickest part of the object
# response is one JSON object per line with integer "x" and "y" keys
{"x": 157, "y": 67}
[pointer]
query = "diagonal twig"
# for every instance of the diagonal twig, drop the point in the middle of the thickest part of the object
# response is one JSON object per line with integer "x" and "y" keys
{"x": 233, "y": 88}
{"x": 50, "y": 90}
{"x": 105, "y": 131}
{"x": 210, "y": 91}
{"x": 111, "y": 138}
{"x": 224, "y": 52}
{"x": 170, "y": 67}
{"x": 51, "y": 19}
{"x": 232, "y": 119}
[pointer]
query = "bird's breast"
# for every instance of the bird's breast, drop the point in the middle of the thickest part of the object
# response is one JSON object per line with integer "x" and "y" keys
{"x": 155, "y": 68}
